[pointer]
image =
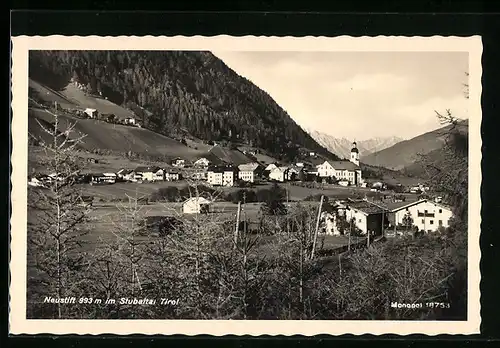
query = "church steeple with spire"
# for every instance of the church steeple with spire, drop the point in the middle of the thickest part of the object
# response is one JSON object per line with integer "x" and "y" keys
{"x": 354, "y": 154}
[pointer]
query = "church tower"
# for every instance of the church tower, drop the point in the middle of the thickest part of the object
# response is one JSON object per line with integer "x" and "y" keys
{"x": 355, "y": 154}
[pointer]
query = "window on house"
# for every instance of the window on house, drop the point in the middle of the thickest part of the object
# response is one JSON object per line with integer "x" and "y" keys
{"x": 423, "y": 221}
{"x": 432, "y": 222}
{"x": 440, "y": 211}
{"x": 440, "y": 222}
{"x": 359, "y": 220}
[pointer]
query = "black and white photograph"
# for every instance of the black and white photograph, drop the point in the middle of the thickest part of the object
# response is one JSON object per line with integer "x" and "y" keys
{"x": 273, "y": 181}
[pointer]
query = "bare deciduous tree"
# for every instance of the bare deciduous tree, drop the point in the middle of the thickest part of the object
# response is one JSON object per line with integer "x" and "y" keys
{"x": 57, "y": 213}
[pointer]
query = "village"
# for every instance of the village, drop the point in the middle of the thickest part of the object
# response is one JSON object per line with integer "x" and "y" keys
{"x": 380, "y": 212}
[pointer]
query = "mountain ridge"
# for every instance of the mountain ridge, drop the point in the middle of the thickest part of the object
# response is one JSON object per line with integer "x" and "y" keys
{"x": 407, "y": 152}
{"x": 184, "y": 92}
{"x": 342, "y": 146}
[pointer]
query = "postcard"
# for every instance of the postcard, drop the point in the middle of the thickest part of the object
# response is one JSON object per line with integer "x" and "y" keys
{"x": 245, "y": 185}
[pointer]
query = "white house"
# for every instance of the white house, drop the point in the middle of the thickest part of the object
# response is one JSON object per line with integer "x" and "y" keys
{"x": 130, "y": 121}
{"x": 179, "y": 162}
{"x": 92, "y": 113}
{"x": 126, "y": 174}
{"x": 172, "y": 175}
{"x": 199, "y": 175}
{"x": 149, "y": 174}
{"x": 202, "y": 162}
{"x": 367, "y": 216}
{"x": 279, "y": 174}
{"x": 221, "y": 176}
{"x": 271, "y": 167}
{"x": 341, "y": 170}
{"x": 109, "y": 178}
{"x": 249, "y": 172}
{"x": 196, "y": 205}
{"x": 426, "y": 215}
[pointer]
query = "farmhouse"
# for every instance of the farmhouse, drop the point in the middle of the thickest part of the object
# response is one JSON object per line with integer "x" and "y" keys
{"x": 294, "y": 173}
{"x": 199, "y": 175}
{"x": 367, "y": 216}
{"x": 425, "y": 215}
{"x": 109, "y": 178}
{"x": 126, "y": 174}
{"x": 130, "y": 121}
{"x": 279, "y": 174}
{"x": 250, "y": 172}
{"x": 196, "y": 205}
{"x": 178, "y": 162}
{"x": 221, "y": 175}
{"x": 202, "y": 162}
{"x": 91, "y": 113}
{"x": 149, "y": 174}
{"x": 172, "y": 175}
{"x": 271, "y": 167}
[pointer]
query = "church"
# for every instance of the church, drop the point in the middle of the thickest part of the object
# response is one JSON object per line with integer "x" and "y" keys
{"x": 343, "y": 171}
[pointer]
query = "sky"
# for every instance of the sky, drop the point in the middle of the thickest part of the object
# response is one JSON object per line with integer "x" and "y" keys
{"x": 359, "y": 95}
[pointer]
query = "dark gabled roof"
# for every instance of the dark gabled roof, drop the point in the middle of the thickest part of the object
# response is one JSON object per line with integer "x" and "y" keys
{"x": 146, "y": 169}
{"x": 126, "y": 171}
{"x": 367, "y": 207}
{"x": 343, "y": 165}
{"x": 221, "y": 169}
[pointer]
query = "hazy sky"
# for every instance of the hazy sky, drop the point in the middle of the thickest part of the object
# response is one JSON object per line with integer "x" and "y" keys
{"x": 359, "y": 95}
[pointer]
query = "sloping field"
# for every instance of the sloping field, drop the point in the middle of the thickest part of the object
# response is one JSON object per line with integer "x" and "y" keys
{"x": 50, "y": 95}
{"x": 102, "y": 135}
{"x": 72, "y": 97}
{"x": 79, "y": 97}
{"x": 218, "y": 153}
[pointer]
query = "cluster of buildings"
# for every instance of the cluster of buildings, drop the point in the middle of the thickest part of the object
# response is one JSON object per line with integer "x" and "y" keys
{"x": 345, "y": 173}
{"x": 140, "y": 174}
{"x": 388, "y": 218}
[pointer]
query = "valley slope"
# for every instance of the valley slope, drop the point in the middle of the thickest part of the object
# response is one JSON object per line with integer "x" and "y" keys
{"x": 184, "y": 93}
{"x": 408, "y": 152}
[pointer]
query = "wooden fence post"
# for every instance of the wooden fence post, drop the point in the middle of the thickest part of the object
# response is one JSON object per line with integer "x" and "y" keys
{"x": 317, "y": 227}
{"x": 236, "y": 230}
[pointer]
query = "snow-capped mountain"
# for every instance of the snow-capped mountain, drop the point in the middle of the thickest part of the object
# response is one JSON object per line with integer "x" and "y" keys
{"x": 342, "y": 146}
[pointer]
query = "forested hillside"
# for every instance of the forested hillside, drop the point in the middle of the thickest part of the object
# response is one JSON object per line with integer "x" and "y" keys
{"x": 193, "y": 92}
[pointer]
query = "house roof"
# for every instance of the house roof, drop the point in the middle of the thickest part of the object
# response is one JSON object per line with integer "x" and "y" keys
{"x": 221, "y": 169}
{"x": 147, "y": 169}
{"x": 125, "y": 171}
{"x": 367, "y": 208}
{"x": 402, "y": 205}
{"x": 397, "y": 206}
{"x": 248, "y": 167}
{"x": 343, "y": 165}
{"x": 199, "y": 200}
